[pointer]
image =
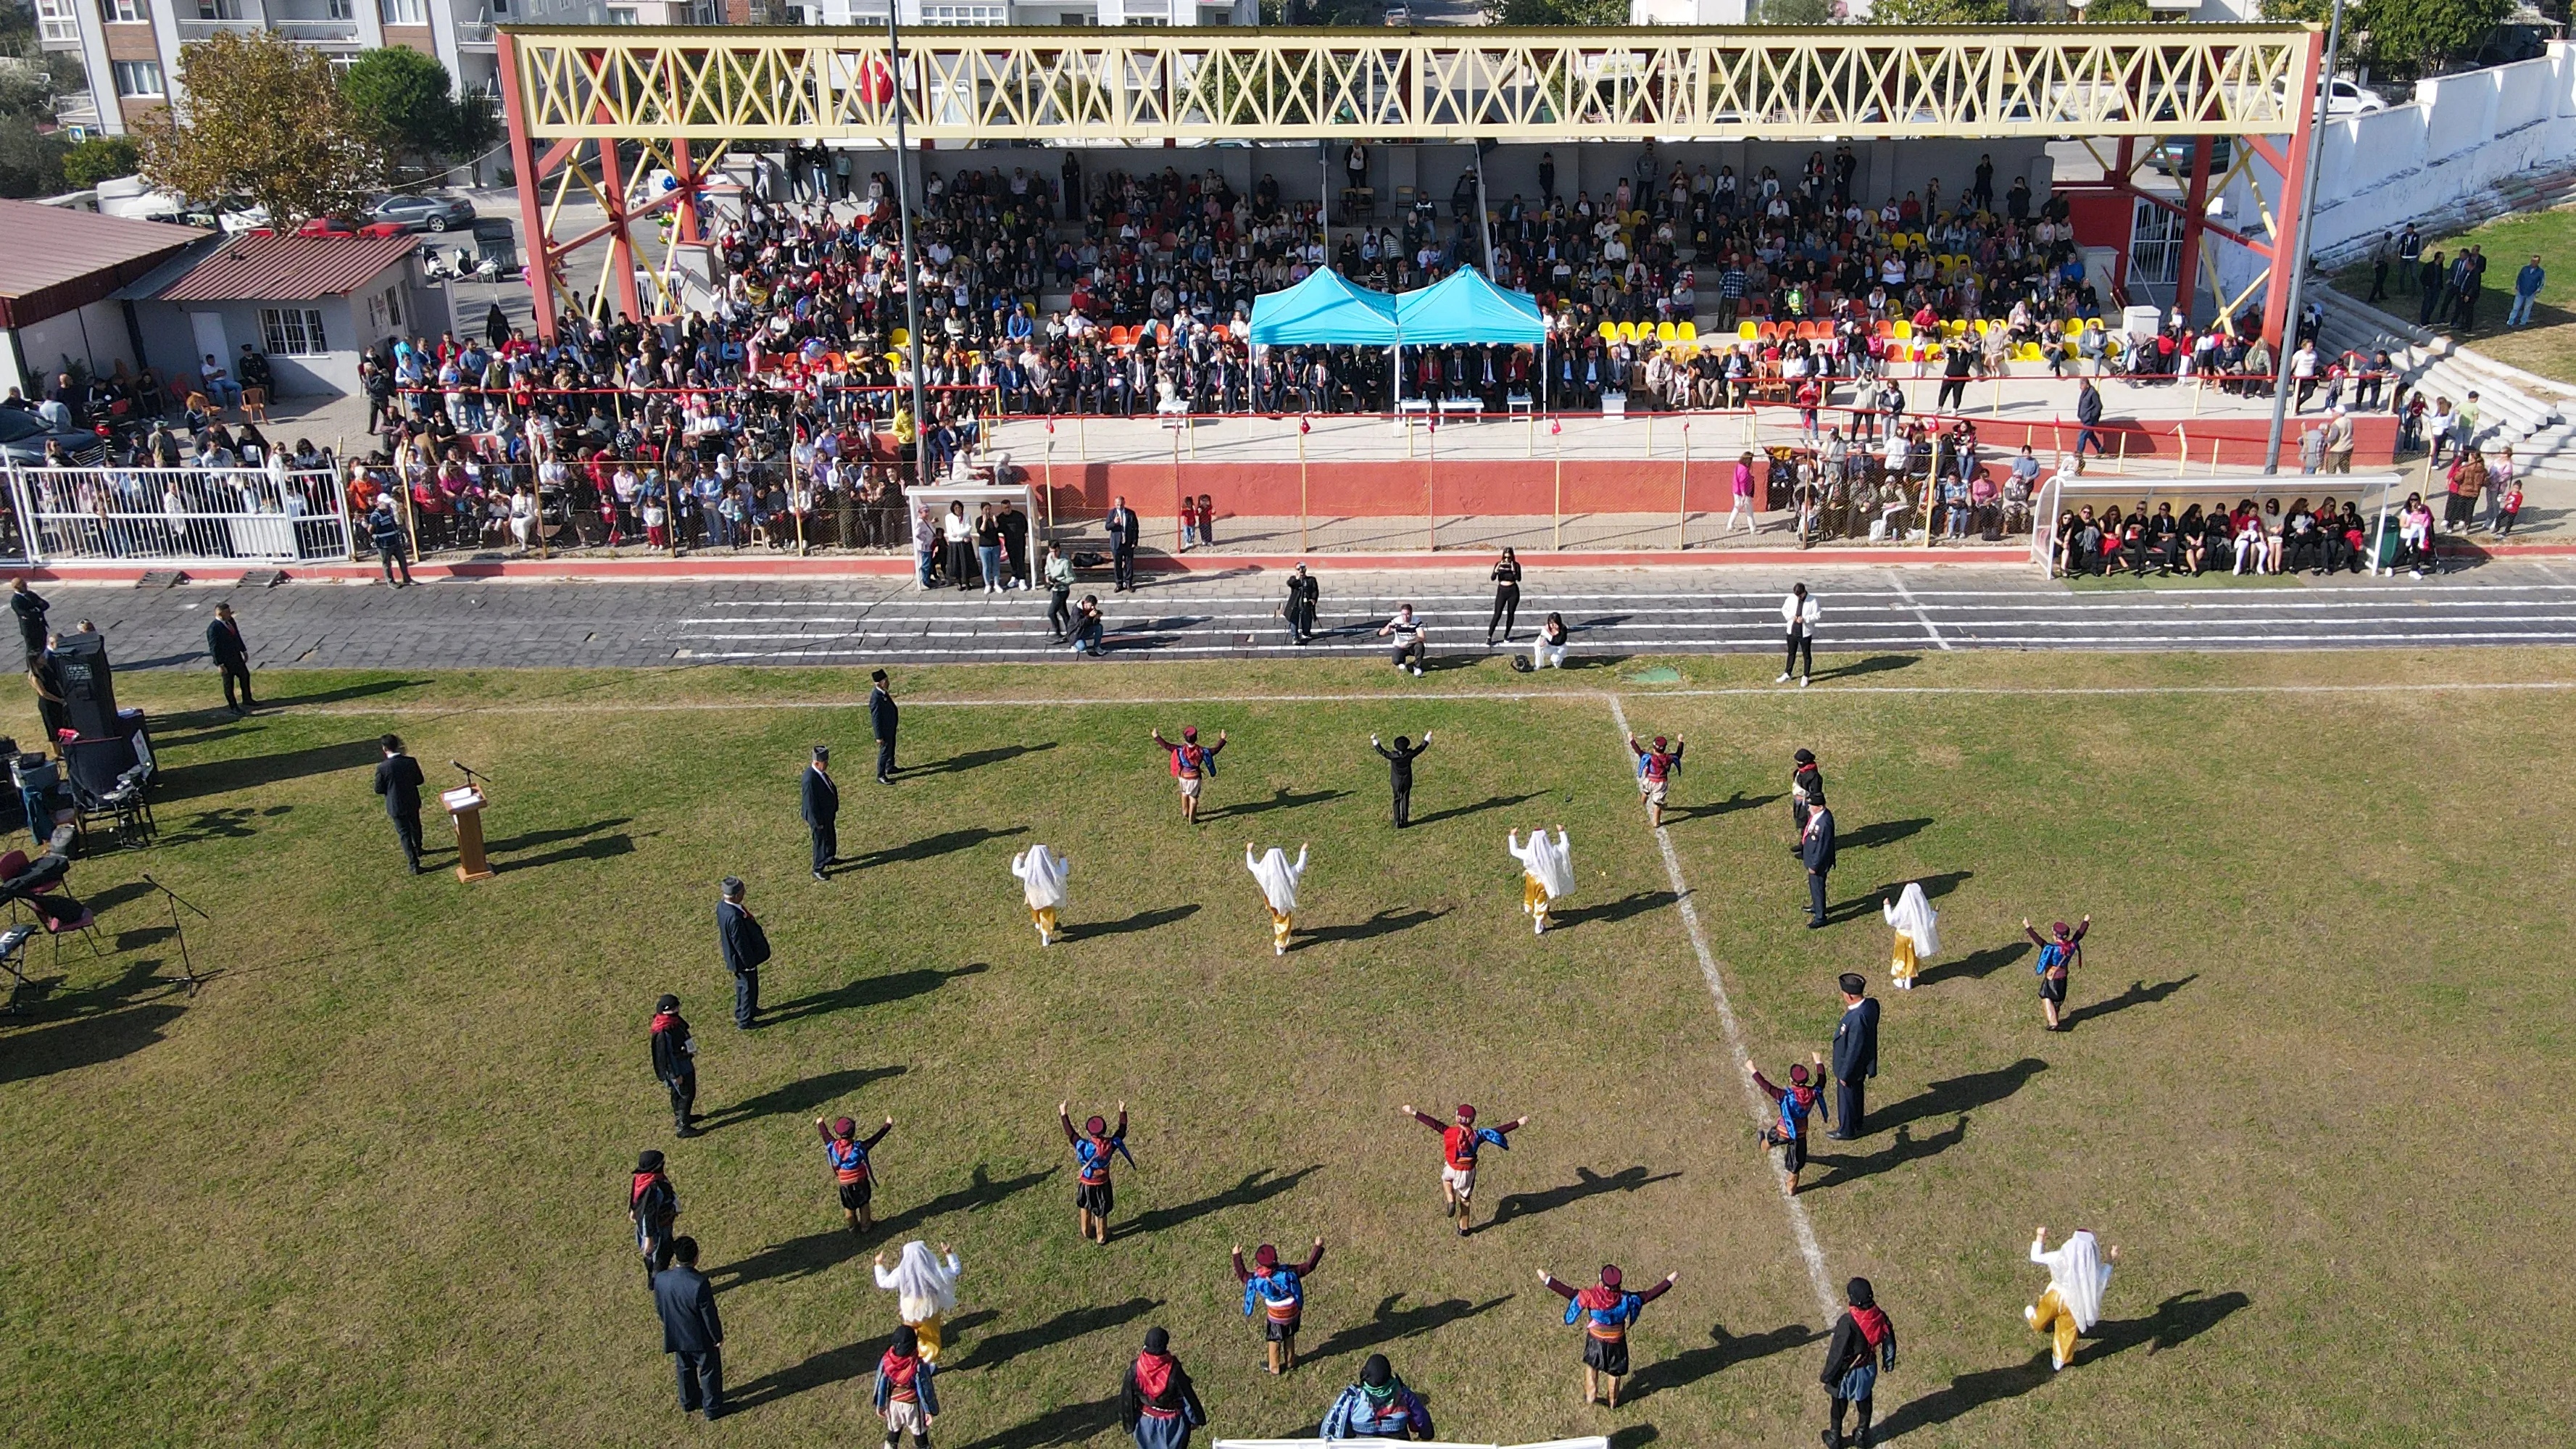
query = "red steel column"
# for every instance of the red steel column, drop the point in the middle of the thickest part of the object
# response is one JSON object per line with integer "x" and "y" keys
{"x": 687, "y": 177}
{"x": 621, "y": 242}
{"x": 523, "y": 169}
{"x": 2120, "y": 184}
{"x": 2289, "y": 245}
{"x": 2195, "y": 211}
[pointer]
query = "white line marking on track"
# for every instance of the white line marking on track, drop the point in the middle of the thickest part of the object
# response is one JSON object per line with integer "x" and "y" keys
{"x": 1799, "y": 1226}
{"x": 1920, "y": 614}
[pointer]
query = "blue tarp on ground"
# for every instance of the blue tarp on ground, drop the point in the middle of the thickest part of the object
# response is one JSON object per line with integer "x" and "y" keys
{"x": 1323, "y": 311}
{"x": 1463, "y": 307}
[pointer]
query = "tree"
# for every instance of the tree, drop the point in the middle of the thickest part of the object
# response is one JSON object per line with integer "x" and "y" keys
{"x": 2415, "y": 37}
{"x": 263, "y": 118}
{"x": 405, "y": 99}
{"x": 1588, "y": 14}
{"x": 1940, "y": 12}
{"x": 2118, "y": 12}
{"x": 1793, "y": 12}
{"x": 101, "y": 158}
{"x": 31, "y": 160}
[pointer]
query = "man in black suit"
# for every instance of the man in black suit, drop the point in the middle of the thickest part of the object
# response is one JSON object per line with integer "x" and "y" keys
{"x": 745, "y": 947}
{"x": 691, "y": 1332}
{"x": 881, "y": 721}
{"x": 398, "y": 780}
{"x": 1123, "y": 527}
{"x": 1816, "y": 848}
{"x": 1855, "y": 1056}
{"x": 224, "y": 645}
{"x": 675, "y": 1062}
{"x": 1399, "y": 773}
{"x": 822, "y": 807}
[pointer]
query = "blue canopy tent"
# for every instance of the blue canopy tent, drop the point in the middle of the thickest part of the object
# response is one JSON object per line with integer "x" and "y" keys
{"x": 1323, "y": 311}
{"x": 1464, "y": 307}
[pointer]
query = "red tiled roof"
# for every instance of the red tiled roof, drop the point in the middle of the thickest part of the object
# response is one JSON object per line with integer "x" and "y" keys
{"x": 57, "y": 258}
{"x": 288, "y": 268}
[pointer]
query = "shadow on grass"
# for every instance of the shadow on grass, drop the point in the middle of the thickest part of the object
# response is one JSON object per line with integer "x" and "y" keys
{"x": 871, "y": 991}
{"x": 1867, "y": 903}
{"x": 1975, "y": 966}
{"x": 946, "y": 842}
{"x": 1882, "y": 832}
{"x": 796, "y": 1258}
{"x": 1635, "y": 903}
{"x": 2176, "y": 1321}
{"x": 1869, "y": 664}
{"x": 1722, "y": 1351}
{"x": 1141, "y": 921}
{"x": 532, "y": 838}
{"x": 976, "y": 759}
{"x": 1957, "y": 1095}
{"x": 1905, "y": 1149}
{"x": 841, "y": 1365}
{"x": 595, "y": 847}
{"x": 1281, "y": 799}
{"x": 2138, "y": 994}
{"x": 1490, "y": 802}
{"x": 801, "y": 1096}
{"x": 1065, "y": 1424}
{"x": 981, "y": 1191}
{"x": 252, "y": 772}
{"x": 1257, "y": 1186}
{"x": 1728, "y": 806}
{"x": 230, "y": 822}
{"x": 1073, "y": 1323}
{"x": 1384, "y": 923}
{"x": 1391, "y": 1323}
{"x": 1587, "y": 1183}
{"x": 84, "y": 1041}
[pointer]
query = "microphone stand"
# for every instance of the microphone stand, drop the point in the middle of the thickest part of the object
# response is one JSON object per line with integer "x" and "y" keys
{"x": 187, "y": 967}
{"x": 471, "y": 774}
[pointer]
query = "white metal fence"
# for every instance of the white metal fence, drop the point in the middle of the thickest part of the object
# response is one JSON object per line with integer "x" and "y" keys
{"x": 178, "y": 515}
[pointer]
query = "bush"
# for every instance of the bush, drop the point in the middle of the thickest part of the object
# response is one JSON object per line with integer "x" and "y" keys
{"x": 101, "y": 158}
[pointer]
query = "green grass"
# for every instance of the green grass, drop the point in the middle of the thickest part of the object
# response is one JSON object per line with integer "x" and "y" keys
{"x": 2548, "y": 345}
{"x": 367, "y": 1187}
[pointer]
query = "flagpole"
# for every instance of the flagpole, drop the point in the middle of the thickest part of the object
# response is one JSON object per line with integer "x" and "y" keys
{"x": 1301, "y": 484}
{"x": 1681, "y": 525}
{"x": 1556, "y": 432}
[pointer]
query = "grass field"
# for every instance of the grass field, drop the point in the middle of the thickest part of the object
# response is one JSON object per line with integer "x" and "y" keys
{"x": 368, "y": 1186}
{"x": 2548, "y": 345}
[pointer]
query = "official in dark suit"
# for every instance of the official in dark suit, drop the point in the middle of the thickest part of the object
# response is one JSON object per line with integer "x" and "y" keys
{"x": 1123, "y": 528}
{"x": 745, "y": 947}
{"x": 822, "y": 807}
{"x": 398, "y": 780}
{"x": 692, "y": 1333}
{"x": 224, "y": 645}
{"x": 881, "y": 721}
{"x": 1855, "y": 1056}
{"x": 1816, "y": 848}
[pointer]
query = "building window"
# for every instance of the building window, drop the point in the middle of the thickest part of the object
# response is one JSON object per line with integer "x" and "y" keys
{"x": 138, "y": 78}
{"x": 57, "y": 22}
{"x": 292, "y": 331}
{"x": 965, "y": 14}
{"x": 219, "y": 9}
{"x": 125, "y": 12}
{"x": 405, "y": 12}
{"x": 341, "y": 9}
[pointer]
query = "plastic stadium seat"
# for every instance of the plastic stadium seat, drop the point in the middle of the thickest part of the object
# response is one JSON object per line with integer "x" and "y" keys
{"x": 1609, "y": 332}
{"x": 1748, "y": 332}
{"x": 1687, "y": 331}
{"x": 1664, "y": 332}
{"x": 899, "y": 337}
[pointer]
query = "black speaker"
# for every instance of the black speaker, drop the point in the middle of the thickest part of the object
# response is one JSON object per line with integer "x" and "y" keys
{"x": 89, "y": 685}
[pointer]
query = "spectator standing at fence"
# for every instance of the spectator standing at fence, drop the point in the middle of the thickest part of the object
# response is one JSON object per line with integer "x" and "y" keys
{"x": 2526, "y": 291}
{"x": 1015, "y": 533}
{"x": 1958, "y": 364}
{"x": 883, "y": 718}
{"x": 1862, "y": 1346}
{"x": 2088, "y": 419}
{"x": 692, "y": 1331}
{"x": 1122, "y": 524}
{"x": 1399, "y": 772}
{"x": 1742, "y": 493}
{"x": 30, "y": 608}
{"x": 398, "y": 779}
{"x": 224, "y": 645}
{"x": 1798, "y": 614}
{"x": 819, "y": 803}
{"x": 745, "y": 949}
{"x": 675, "y": 1063}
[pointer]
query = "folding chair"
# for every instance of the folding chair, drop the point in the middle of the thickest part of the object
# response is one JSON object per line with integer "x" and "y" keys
{"x": 13, "y": 959}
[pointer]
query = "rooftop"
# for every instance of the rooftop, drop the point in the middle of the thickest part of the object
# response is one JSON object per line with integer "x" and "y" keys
{"x": 58, "y": 258}
{"x": 267, "y": 268}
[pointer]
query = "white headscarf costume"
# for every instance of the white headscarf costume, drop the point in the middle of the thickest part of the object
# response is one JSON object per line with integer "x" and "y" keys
{"x": 1041, "y": 872}
{"x": 1549, "y": 862}
{"x": 1277, "y": 877}
{"x": 923, "y": 1286}
{"x": 1913, "y": 918}
{"x": 2077, "y": 1272}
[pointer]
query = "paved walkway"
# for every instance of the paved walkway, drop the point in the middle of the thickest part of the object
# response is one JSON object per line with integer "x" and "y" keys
{"x": 458, "y": 624}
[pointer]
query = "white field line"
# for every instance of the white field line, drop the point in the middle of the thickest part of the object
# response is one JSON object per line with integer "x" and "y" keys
{"x": 1799, "y": 1226}
{"x": 1920, "y": 614}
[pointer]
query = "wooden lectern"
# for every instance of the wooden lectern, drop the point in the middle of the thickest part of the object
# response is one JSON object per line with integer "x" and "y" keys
{"x": 465, "y": 807}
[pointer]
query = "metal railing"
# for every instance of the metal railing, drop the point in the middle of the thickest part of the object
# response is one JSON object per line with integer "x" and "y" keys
{"x": 178, "y": 515}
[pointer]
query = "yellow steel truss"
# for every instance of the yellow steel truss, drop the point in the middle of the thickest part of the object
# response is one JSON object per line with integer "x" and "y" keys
{"x": 1146, "y": 84}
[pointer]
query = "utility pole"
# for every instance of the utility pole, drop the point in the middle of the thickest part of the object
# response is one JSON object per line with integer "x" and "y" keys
{"x": 2307, "y": 215}
{"x": 911, "y": 263}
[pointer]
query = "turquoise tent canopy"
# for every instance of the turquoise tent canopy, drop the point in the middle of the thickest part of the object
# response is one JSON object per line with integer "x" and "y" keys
{"x": 1464, "y": 307}
{"x": 1323, "y": 310}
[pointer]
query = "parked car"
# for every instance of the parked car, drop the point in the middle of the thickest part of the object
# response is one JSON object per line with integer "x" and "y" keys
{"x": 346, "y": 226}
{"x": 1397, "y": 15}
{"x": 23, "y": 435}
{"x": 2350, "y": 98}
{"x": 424, "y": 213}
{"x": 2173, "y": 156}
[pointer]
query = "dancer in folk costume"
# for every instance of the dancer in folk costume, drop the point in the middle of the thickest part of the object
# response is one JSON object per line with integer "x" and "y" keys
{"x": 1379, "y": 1406}
{"x": 847, "y": 1152}
{"x": 1042, "y": 872}
{"x": 1918, "y": 934}
{"x": 2059, "y": 954}
{"x": 1802, "y": 1099}
{"x": 1093, "y": 1148}
{"x": 1278, "y": 1291}
{"x": 1605, "y": 1310}
{"x": 1547, "y": 873}
{"x": 1157, "y": 1402}
{"x": 1862, "y": 1347}
{"x": 904, "y": 1397}
{"x": 1459, "y": 1143}
{"x": 1192, "y": 765}
{"x": 1278, "y": 881}
{"x": 2078, "y": 1274}
{"x": 924, "y": 1289}
{"x": 1806, "y": 791}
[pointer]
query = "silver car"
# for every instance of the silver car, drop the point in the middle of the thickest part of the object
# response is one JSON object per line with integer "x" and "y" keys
{"x": 424, "y": 213}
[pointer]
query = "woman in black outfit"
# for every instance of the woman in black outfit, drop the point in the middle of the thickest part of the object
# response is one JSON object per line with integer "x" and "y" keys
{"x": 1507, "y": 597}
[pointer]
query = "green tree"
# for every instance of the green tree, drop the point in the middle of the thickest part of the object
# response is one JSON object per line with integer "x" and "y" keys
{"x": 31, "y": 160}
{"x": 2118, "y": 12}
{"x": 263, "y": 117}
{"x": 1588, "y": 14}
{"x": 2408, "y": 38}
{"x": 101, "y": 158}
{"x": 406, "y": 99}
{"x": 1793, "y": 12}
{"x": 1940, "y": 12}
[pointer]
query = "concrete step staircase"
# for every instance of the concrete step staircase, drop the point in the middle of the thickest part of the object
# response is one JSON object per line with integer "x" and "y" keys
{"x": 2533, "y": 415}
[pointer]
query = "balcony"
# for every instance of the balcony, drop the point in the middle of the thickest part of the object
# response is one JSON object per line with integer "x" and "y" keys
{"x": 474, "y": 32}
{"x": 191, "y": 30}
{"x": 318, "y": 32}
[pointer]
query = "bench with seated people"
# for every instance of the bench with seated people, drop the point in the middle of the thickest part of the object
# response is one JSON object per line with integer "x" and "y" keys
{"x": 2249, "y": 538}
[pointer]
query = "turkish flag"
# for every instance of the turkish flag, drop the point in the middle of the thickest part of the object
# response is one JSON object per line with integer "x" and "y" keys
{"x": 1305, "y": 425}
{"x": 876, "y": 82}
